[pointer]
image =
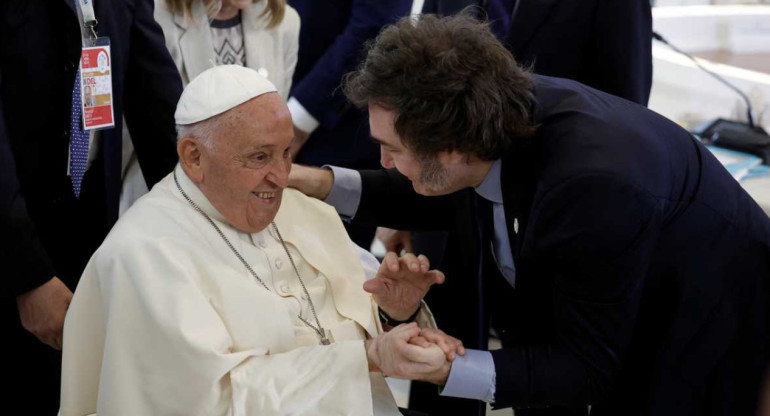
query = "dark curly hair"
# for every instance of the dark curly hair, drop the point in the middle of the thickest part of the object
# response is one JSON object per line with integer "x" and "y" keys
{"x": 451, "y": 84}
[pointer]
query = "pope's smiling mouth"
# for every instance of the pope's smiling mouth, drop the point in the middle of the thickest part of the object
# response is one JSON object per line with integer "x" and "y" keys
{"x": 267, "y": 196}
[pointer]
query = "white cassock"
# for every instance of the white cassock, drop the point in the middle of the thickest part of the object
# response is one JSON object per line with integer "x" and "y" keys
{"x": 167, "y": 321}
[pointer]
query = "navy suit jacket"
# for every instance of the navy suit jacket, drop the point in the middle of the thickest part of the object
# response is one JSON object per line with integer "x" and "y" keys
{"x": 605, "y": 44}
{"x": 643, "y": 268}
{"x": 39, "y": 55}
{"x": 331, "y": 42}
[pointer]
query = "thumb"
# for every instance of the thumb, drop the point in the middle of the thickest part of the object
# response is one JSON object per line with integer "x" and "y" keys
{"x": 374, "y": 286}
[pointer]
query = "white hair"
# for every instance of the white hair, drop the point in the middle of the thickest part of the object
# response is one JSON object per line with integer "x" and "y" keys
{"x": 204, "y": 131}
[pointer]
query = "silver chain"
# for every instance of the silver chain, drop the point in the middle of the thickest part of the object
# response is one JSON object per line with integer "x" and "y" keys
{"x": 318, "y": 329}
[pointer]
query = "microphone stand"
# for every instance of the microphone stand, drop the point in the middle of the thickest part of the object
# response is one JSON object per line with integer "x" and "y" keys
{"x": 730, "y": 134}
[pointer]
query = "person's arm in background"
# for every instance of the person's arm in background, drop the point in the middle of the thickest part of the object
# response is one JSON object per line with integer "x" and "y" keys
{"x": 316, "y": 98}
{"x": 152, "y": 89}
{"x": 622, "y": 49}
{"x": 41, "y": 297}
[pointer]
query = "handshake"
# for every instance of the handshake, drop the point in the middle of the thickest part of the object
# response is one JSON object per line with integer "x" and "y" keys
{"x": 409, "y": 352}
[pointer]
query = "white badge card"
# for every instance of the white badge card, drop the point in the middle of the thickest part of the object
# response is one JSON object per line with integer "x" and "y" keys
{"x": 96, "y": 84}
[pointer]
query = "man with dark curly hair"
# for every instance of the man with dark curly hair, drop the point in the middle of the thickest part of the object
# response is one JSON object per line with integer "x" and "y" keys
{"x": 620, "y": 264}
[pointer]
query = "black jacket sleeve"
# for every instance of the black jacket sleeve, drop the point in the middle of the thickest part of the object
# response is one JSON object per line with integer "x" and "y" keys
{"x": 595, "y": 237}
{"x": 25, "y": 261}
{"x": 152, "y": 89}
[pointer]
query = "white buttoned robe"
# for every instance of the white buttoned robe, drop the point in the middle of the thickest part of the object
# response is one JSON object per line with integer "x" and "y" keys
{"x": 167, "y": 321}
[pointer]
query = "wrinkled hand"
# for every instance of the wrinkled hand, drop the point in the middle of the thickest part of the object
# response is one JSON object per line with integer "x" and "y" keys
{"x": 451, "y": 346}
{"x": 393, "y": 355}
{"x": 299, "y": 140}
{"x": 313, "y": 182}
{"x": 401, "y": 283}
{"x": 396, "y": 241}
{"x": 42, "y": 311}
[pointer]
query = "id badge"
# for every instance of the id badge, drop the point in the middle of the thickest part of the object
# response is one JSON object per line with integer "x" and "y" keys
{"x": 96, "y": 84}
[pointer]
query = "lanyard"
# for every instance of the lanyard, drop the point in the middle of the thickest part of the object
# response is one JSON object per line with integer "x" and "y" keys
{"x": 89, "y": 17}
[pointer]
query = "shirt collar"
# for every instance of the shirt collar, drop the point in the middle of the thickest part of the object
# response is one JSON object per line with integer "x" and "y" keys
{"x": 197, "y": 196}
{"x": 490, "y": 188}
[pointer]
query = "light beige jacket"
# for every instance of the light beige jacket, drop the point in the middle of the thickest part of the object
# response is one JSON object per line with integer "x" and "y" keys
{"x": 272, "y": 49}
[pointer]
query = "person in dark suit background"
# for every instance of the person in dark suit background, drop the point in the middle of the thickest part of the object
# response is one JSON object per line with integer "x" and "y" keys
{"x": 328, "y": 129}
{"x": 604, "y": 44}
{"x": 620, "y": 263}
{"x": 47, "y": 234}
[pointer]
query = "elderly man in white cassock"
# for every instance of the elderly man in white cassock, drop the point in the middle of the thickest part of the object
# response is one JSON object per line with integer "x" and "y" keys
{"x": 222, "y": 293}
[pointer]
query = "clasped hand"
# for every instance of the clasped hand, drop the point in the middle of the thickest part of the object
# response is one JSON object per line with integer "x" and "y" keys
{"x": 412, "y": 353}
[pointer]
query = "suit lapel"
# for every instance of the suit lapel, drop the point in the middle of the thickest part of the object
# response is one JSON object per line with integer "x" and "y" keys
{"x": 528, "y": 17}
{"x": 195, "y": 43}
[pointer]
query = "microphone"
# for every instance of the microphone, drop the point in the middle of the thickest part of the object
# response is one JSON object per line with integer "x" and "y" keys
{"x": 730, "y": 134}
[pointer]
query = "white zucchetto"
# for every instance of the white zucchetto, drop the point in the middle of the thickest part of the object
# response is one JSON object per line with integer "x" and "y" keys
{"x": 217, "y": 90}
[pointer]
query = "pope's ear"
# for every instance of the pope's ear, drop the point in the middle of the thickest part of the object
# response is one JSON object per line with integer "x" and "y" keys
{"x": 189, "y": 150}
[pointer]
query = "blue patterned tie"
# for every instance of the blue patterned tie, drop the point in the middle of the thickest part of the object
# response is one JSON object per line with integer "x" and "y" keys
{"x": 78, "y": 140}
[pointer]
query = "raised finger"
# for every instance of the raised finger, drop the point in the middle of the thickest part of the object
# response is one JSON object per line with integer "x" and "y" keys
{"x": 424, "y": 263}
{"x": 436, "y": 276}
{"x": 411, "y": 262}
{"x": 391, "y": 261}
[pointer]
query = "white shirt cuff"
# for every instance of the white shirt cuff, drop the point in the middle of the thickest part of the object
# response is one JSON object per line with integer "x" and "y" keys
{"x": 472, "y": 376}
{"x": 301, "y": 118}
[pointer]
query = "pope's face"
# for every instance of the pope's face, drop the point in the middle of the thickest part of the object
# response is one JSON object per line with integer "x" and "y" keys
{"x": 429, "y": 175}
{"x": 247, "y": 167}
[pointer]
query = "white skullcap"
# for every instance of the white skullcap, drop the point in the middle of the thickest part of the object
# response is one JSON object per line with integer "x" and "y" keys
{"x": 217, "y": 90}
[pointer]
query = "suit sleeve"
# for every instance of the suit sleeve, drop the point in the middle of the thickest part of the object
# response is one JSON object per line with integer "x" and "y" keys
{"x": 315, "y": 90}
{"x": 388, "y": 199}
{"x": 623, "y": 48}
{"x": 25, "y": 260}
{"x": 598, "y": 249}
{"x": 152, "y": 89}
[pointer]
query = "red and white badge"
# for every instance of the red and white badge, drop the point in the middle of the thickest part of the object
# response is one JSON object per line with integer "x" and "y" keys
{"x": 96, "y": 84}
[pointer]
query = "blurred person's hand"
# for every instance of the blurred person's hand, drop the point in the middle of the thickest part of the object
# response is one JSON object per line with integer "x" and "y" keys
{"x": 397, "y": 241}
{"x": 42, "y": 311}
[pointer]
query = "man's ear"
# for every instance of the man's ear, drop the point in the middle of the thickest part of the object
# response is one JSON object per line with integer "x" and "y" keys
{"x": 190, "y": 152}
